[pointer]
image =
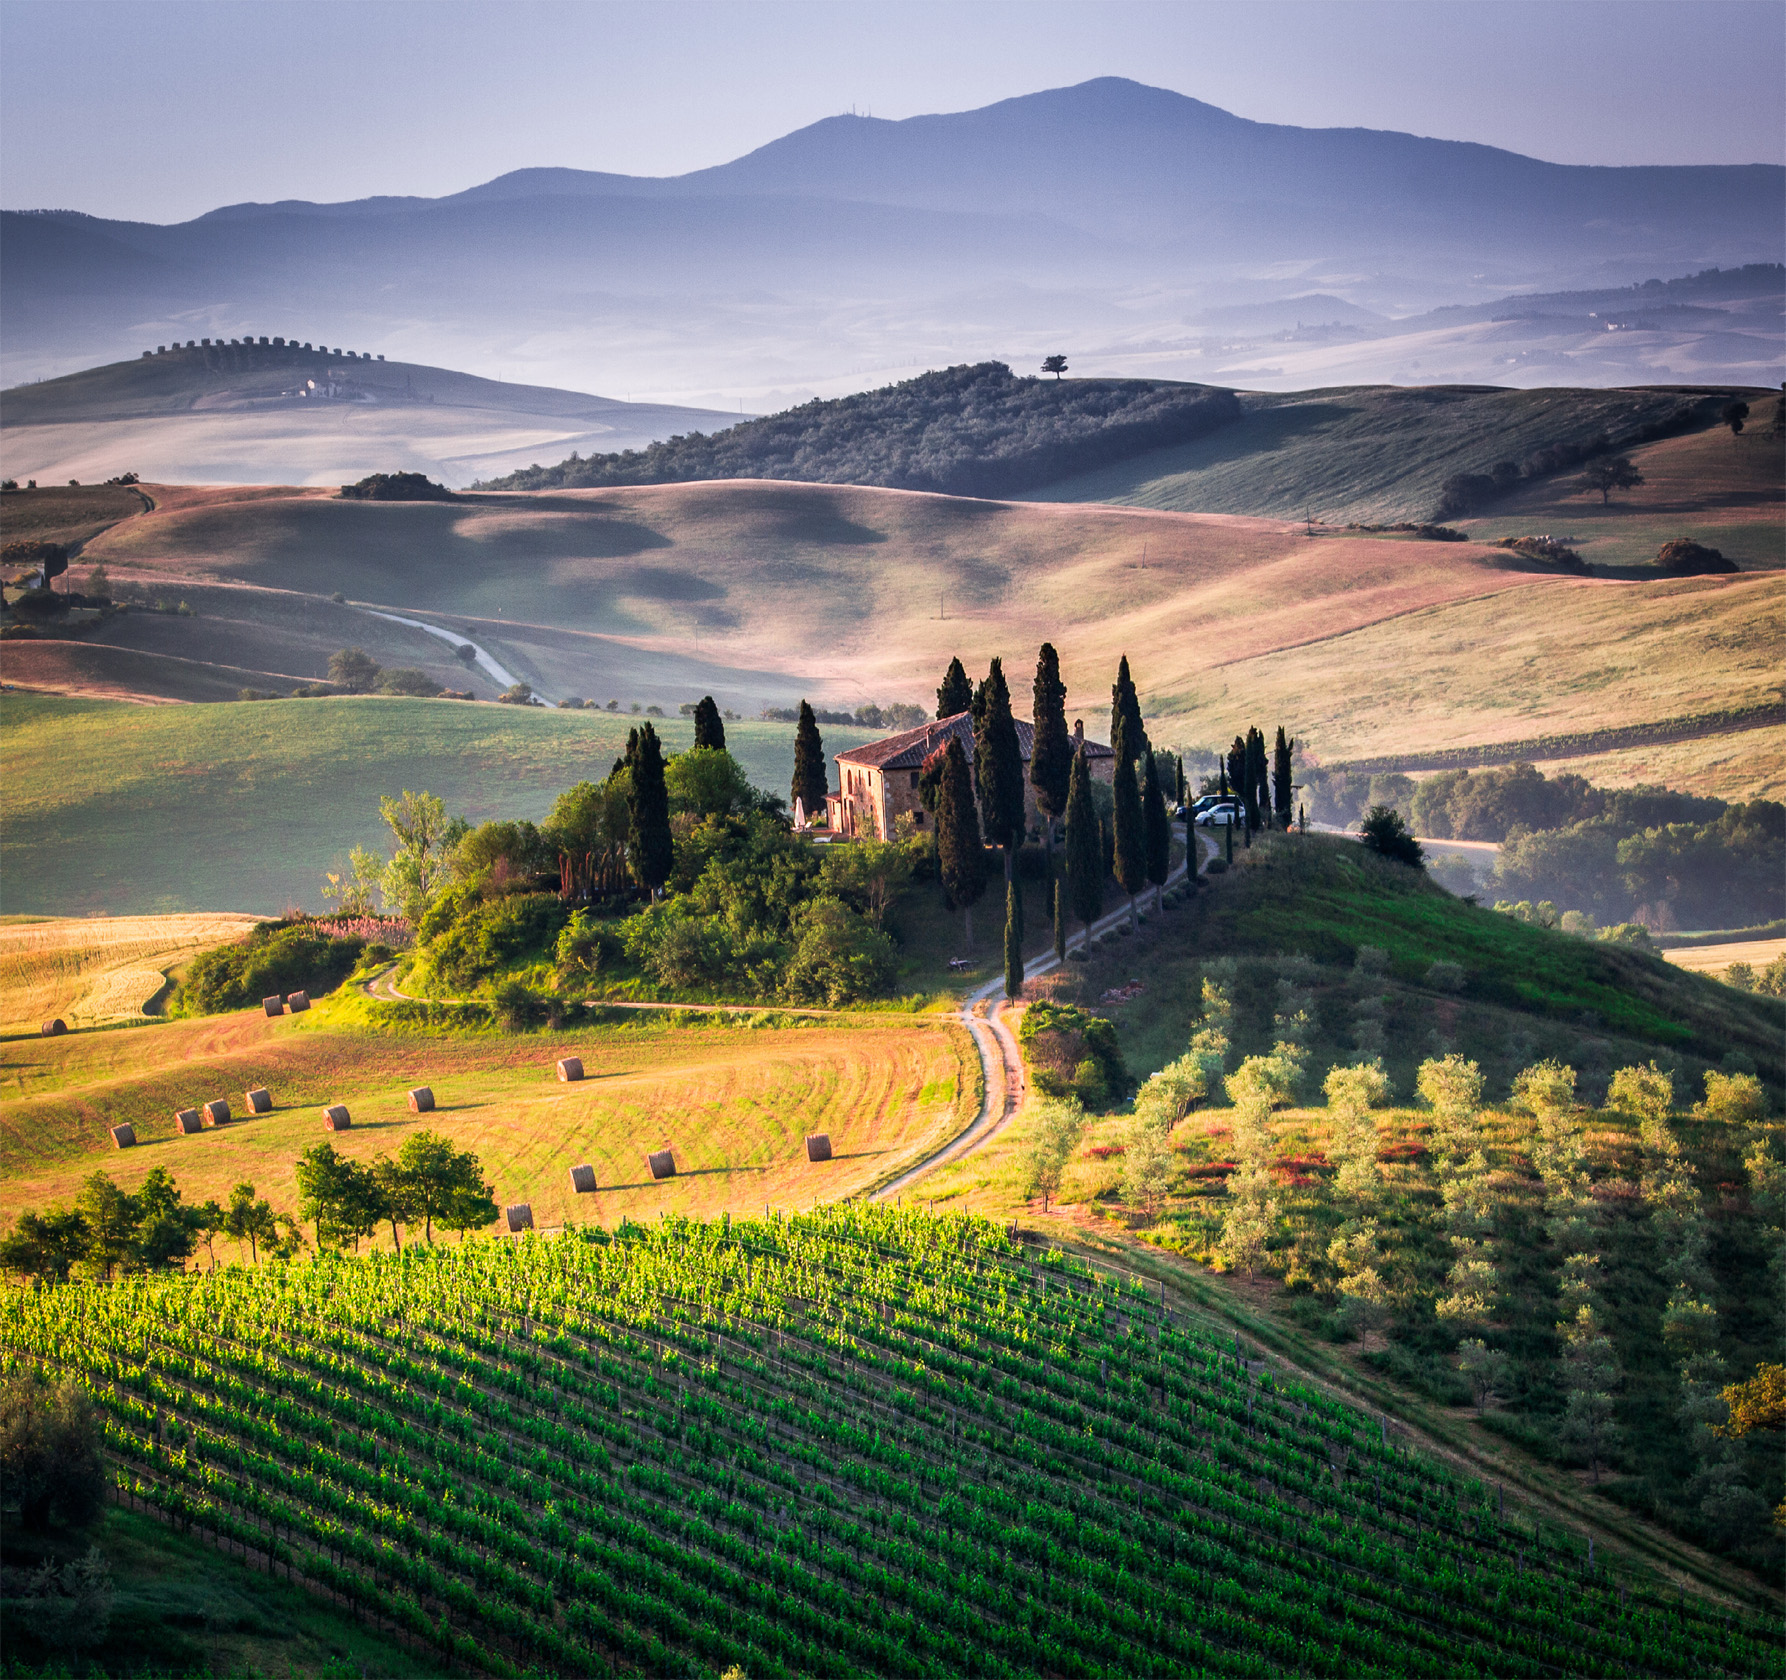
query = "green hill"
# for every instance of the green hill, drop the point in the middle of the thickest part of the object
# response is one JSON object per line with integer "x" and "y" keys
{"x": 858, "y": 1440}
{"x": 965, "y": 431}
{"x": 1382, "y": 453}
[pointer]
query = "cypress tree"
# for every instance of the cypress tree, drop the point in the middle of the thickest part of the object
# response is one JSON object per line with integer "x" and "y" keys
{"x": 1129, "y": 855}
{"x": 1085, "y": 848}
{"x": 650, "y": 850}
{"x": 1156, "y": 827}
{"x": 1013, "y": 943}
{"x": 1125, "y": 712}
{"x": 1236, "y": 768}
{"x": 960, "y": 855}
{"x": 1180, "y": 793}
{"x": 710, "y": 730}
{"x": 1283, "y": 798}
{"x": 998, "y": 766}
{"x": 1261, "y": 764}
{"x": 956, "y": 694}
{"x": 810, "y": 778}
{"x": 1051, "y": 756}
{"x": 1060, "y": 920}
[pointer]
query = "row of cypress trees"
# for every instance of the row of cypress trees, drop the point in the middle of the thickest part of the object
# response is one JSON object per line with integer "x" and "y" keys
{"x": 1267, "y": 794}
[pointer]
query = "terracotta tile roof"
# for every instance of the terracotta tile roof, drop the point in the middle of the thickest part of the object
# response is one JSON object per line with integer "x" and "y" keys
{"x": 908, "y": 749}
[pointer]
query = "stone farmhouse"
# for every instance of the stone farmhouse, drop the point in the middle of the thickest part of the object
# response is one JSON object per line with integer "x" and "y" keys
{"x": 878, "y": 783}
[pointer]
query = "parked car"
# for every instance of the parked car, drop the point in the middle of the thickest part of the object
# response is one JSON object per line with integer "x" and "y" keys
{"x": 1216, "y": 810}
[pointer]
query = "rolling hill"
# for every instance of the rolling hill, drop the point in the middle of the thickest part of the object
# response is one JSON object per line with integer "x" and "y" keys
{"x": 1100, "y": 218}
{"x": 252, "y": 413}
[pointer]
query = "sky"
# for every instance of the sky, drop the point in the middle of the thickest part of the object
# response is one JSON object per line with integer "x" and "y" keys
{"x": 158, "y": 110}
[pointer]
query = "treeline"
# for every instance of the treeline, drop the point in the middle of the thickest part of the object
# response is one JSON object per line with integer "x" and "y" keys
{"x": 974, "y": 430}
{"x": 900, "y": 715}
{"x": 1648, "y": 854}
{"x": 109, "y": 1232}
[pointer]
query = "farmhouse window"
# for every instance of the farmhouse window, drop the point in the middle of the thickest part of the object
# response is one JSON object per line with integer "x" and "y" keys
{"x": 917, "y": 819}
{"x": 914, "y": 778}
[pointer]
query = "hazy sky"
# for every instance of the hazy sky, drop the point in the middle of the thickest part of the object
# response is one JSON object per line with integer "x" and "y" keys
{"x": 160, "y": 109}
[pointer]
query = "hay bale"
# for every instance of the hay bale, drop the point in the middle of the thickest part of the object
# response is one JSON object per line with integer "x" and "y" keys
{"x": 519, "y": 1217}
{"x": 421, "y": 1100}
{"x": 189, "y": 1120}
{"x": 571, "y": 1068}
{"x": 259, "y": 1100}
{"x": 662, "y": 1163}
{"x": 297, "y": 1002}
{"x": 335, "y": 1118}
{"x": 55, "y": 1028}
{"x": 123, "y": 1136}
{"x": 217, "y": 1112}
{"x": 818, "y": 1146}
{"x": 583, "y": 1180}
{"x": 273, "y": 1005}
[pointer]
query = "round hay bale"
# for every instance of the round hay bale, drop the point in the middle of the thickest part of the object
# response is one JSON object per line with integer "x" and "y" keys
{"x": 123, "y": 1136}
{"x": 297, "y": 1002}
{"x": 421, "y": 1100}
{"x": 55, "y": 1028}
{"x": 818, "y": 1146}
{"x": 189, "y": 1120}
{"x": 570, "y": 1069}
{"x": 335, "y": 1118}
{"x": 217, "y": 1112}
{"x": 259, "y": 1100}
{"x": 662, "y": 1163}
{"x": 583, "y": 1180}
{"x": 519, "y": 1217}
{"x": 273, "y": 1005}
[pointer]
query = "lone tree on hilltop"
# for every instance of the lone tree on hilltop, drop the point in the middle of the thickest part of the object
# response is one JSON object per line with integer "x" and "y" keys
{"x": 1051, "y": 755}
{"x": 1733, "y": 414}
{"x": 1610, "y": 475}
{"x": 1387, "y": 835}
{"x": 810, "y": 780}
{"x": 960, "y": 853}
{"x": 650, "y": 850}
{"x": 1056, "y": 365}
{"x": 709, "y": 730}
{"x": 957, "y": 693}
{"x": 1085, "y": 847}
{"x": 998, "y": 766}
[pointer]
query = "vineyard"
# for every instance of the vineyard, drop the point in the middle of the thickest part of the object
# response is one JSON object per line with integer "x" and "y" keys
{"x": 862, "y": 1439}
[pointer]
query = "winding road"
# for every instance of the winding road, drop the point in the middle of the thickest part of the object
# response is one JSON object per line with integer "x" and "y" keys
{"x": 497, "y": 673}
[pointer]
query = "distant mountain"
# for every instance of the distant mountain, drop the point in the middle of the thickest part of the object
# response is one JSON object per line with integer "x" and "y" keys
{"x": 244, "y": 412}
{"x": 1096, "y": 219}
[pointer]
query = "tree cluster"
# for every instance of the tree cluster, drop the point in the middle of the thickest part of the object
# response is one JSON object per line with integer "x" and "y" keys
{"x": 968, "y": 431}
{"x": 429, "y": 1183}
{"x": 397, "y": 487}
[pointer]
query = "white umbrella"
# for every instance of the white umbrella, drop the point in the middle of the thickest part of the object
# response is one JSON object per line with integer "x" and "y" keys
{"x": 799, "y": 816}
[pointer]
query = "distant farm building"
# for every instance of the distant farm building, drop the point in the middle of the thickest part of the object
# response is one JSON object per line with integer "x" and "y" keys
{"x": 878, "y": 783}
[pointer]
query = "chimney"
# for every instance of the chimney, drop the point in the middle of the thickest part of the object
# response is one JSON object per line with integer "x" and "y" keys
{"x": 1078, "y": 734}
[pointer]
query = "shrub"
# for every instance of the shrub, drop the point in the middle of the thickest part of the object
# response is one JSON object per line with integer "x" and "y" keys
{"x": 1682, "y": 558}
{"x": 52, "y": 1458}
{"x": 1384, "y": 832}
{"x": 480, "y": 937}
{"x": 405, "y": 679}
{"x": 1073, "y": 1053}
{"x": 1445, "y": 977}
{"x": 838, "y": 957}
{"x": 396, "y": 487}
{"x": 585, "y": 947}
{"x": 276, "y": 957}
{"x": 515, "y": 1008}
{"x": 1736, "y": 1099}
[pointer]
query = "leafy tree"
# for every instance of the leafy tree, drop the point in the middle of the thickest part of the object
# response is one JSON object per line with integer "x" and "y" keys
{"x": 651, "y": 850}
{"x": 1130, "y": 861}
{"x": 1352, "y": 1092}
{"x": 425, "y": 838}
{"x": 960, "y": 852}
{"x": 1616, "y": 473}
{"x": 957, "y": 692}
{"x": 1126, "y": 732}
{"x": 355, "y": 890}
{"x": 1756, "y": 1405}
{"x": 355, "y": 670}
{"x": 47, "y": 1246}
{"x": 1488, "y": 1371}
{"x": 111, "y": 1220}
{"x": 1013, "y": 942}
{"x": 438, "y": 1180}
{"x": 1147, "y": 1164}
{"x": 1156, "y": 826}
{"x": 708, "y": 782}
{"x": 166, "y": 1231}
{"x": 1085, "y": 849}
{"x": 1736, "y": 1099}
{"x": 1056, "y": 1125}
{"x": 1283, "y": 793}
{"x": 1056, "y": 365}
{"x": 406, "y": 679}
{"x": 868, "y": 875}
{"x": 1590, "y": 1374}
{"x": 998, "y": 767}
{"x": 250, "y": 1219}
{"x": 710, "y": 729}
{"x": 1384, "y": 832}
{"x": 52, "y": 1453}
{"x": 338, "y": 1196}
{"x": 1733, "y": 414}
{"x": 811, "y": 779}
{"x": 1051, "y": 753}
{"x": 837, "y": 958}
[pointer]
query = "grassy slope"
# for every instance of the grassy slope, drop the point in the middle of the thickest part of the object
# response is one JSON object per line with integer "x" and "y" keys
{"x": 181, "y": 1607}
{"x": 734, "y": 1102}
{"x": 1372, "y": 454}
{"x": 244, "y": 806}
